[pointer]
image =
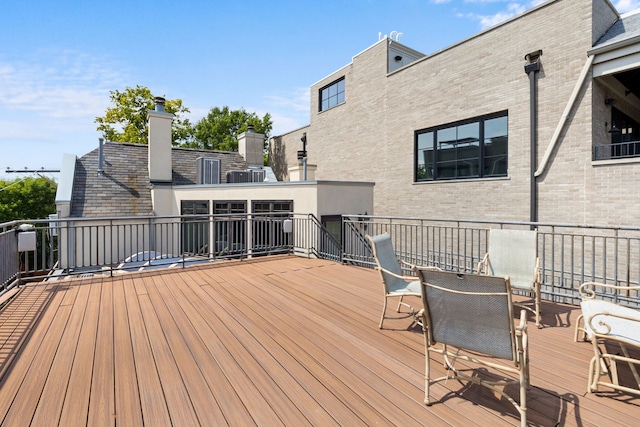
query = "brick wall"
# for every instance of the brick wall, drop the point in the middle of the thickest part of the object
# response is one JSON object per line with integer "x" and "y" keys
{"x": 370, "y": 137}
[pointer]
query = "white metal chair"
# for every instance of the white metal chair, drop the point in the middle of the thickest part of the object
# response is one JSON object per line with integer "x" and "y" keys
{"x": 471, "y": 317}
{"x": 605, "y": 323}
{"x": 513, "y": 253}
{"x": 394, "y": 283}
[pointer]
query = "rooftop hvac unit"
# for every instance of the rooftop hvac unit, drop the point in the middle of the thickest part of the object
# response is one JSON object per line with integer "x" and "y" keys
{"x": 257, "y": 175}
{"x": 238, "y": 176}
{"x": 208, "y": 170}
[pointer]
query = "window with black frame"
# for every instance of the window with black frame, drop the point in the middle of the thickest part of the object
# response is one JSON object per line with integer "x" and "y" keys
{"x": 331, "y": 95}
{"x": 625, "y": 135}
{"x": 474, "y": 148}
{"x": 195, "y": 228}
{"x": 230, "y": 232}
{"x": 268, "y": 234}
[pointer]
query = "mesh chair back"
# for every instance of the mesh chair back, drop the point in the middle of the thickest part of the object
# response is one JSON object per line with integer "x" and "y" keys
{"x": 513, "y": 253}
{"x": 469, "y": 311}
{"x": 386, "y": 259}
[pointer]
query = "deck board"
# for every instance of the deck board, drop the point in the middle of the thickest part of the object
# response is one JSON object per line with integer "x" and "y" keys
{"x": 267, "y": 341}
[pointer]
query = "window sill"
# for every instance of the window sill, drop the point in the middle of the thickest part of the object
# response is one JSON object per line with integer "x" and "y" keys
{"x": 621, "y": 161}
{"x": 461, "y": 180}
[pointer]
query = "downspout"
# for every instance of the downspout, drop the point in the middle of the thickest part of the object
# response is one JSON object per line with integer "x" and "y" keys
{"x": 531, "y": 68}
{"x": 565, "y": 114}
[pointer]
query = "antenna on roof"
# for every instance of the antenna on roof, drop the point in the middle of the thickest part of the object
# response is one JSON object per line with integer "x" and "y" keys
{"x": 394, "y": 36}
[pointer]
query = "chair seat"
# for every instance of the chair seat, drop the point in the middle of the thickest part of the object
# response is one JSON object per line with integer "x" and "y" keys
{"x": 412, "y": 287}
{"x": 625, "y": 329}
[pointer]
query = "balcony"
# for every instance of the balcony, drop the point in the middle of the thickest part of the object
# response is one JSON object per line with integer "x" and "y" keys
{"x": 246, "y": 339}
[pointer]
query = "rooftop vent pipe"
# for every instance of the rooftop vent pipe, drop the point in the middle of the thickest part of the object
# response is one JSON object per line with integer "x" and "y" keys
{"x": 100, "y": 157}
{"x": 159, "y": 104}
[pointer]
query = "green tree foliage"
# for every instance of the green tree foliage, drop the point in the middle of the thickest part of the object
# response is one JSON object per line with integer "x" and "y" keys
{"x": 27, "y": 198}
{"x": 219, "y": 129}
{"x": 126, "y": 120}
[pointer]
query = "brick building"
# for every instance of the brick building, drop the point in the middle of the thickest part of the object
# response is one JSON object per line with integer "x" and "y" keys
{"x": 533, "y": 119}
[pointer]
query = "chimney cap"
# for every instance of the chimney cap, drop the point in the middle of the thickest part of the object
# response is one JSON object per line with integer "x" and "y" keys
{"x": 159, "y": 101}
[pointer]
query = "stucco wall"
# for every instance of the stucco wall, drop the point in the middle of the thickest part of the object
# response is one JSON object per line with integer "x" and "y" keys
{"x": 318, "y": 198}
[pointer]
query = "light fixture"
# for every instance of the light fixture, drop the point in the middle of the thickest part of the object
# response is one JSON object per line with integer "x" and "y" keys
{"x": 609, "y": 101}
{"x": 398, "y": 58}
{"x": 613, "y": 128}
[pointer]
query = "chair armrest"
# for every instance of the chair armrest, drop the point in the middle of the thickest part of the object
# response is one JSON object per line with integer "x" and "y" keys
{"x": 522, "y": 340}
{"x": 522, "y": 326}
{"x": 399, "y": 276}
{"x": 587, "y": 290}
{"x": 483, "y": 265}
{"x": 411, "y": 266}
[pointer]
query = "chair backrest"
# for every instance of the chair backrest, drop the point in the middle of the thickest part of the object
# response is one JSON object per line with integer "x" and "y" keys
{"x": 386, "y": 260}
{"x": 513, "y": 253}
{"x": 469, "y": 311}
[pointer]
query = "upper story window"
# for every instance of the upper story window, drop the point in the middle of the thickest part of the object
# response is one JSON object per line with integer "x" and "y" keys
{"x": 474, "y": 148}
{"x": 625, "y": 138}
{"x": 332, "y": 95}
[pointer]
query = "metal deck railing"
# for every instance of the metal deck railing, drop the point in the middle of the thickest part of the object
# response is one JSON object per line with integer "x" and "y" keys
{"x": 570, "y": 254}
{"x": 89, "y": 246}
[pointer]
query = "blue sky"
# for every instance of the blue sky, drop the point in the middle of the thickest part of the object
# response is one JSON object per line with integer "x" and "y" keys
{"x": 59, "y": 59}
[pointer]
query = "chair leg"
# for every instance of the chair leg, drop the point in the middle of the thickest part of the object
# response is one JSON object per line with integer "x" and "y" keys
{"x": 523, "y": 397}
{"x": 427, "y": 373}
{"x": 579, "y": 321}
{"x": 399, "y": 303}
{"x": 384, "y": 311}
{"x": 537, "y": 297}
{"x": 632, "y": 366}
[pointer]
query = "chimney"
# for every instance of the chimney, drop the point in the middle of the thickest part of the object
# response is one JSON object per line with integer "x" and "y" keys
{"x": 251, "y": 147}
{"x": 160, "y": 144}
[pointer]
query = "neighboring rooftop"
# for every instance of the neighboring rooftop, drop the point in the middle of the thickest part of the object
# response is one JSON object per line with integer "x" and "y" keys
{"x": 625, "y": 28}
{"x": 124, "y": 188}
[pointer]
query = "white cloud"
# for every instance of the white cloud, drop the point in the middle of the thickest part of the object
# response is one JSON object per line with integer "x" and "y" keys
{"x": 511, "y": 10}
{"x": 624, "y": 6}
{"x": 58, "y": 84}
{"x": 289, "y": 112}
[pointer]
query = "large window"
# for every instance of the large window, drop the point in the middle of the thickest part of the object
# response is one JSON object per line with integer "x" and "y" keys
{"x": 625, "y": 138}
{"x": 332, "y": 95}
{"x": 475, "y": 148}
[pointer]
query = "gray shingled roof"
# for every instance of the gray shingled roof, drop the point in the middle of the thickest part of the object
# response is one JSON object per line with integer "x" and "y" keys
{"x": 625, "y": 28}
{"x": 124, "y": 188}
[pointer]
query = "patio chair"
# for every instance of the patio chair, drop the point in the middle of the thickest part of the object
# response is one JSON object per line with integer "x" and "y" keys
{"x": 605, "y": 324}
{"x": 513, "y": 253}
{"x": 394, "y": 283}
{"x": 471, "y": 317}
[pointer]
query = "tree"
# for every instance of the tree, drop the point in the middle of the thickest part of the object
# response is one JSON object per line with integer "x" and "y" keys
{"x": 219, "y": 129}
{"x": 27, "y": 198}
{"x": 129, "y": 112}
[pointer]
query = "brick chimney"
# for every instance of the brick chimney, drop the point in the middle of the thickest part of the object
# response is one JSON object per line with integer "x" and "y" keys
{"x": 160, "y": 144}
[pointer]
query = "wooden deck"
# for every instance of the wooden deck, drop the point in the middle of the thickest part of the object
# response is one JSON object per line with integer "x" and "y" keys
{"x": 271, "y": 341}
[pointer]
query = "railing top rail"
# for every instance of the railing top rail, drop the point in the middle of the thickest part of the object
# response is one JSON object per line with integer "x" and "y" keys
{"x": 481, "y": 221}
{"x": 145, "y": 218}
